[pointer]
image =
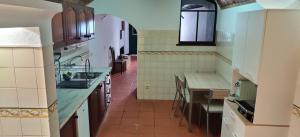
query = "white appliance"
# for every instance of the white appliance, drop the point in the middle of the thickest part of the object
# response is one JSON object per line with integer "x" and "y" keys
{"x": 83, "y": 125}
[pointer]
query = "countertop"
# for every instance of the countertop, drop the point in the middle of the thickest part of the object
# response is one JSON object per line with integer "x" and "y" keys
{"x": 69, "y": 100}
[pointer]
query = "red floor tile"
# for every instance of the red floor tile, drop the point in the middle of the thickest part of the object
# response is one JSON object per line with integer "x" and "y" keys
{"x": 129, "y": 117}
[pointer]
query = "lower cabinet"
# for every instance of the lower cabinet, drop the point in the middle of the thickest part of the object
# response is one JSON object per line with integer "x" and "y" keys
{"x": 97, "y": 109}
{"x": 70, "y": 128}
{"x": 235, "y": 125}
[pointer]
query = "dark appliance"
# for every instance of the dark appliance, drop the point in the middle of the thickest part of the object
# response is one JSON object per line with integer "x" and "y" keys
{"x": 246, "y": 108}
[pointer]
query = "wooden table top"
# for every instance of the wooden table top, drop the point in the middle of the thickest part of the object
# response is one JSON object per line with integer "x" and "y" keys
{"x": 206, "y": 81}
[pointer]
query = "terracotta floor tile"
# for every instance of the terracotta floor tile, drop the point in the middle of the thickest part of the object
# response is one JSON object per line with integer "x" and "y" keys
{"x": 129, "y": 117}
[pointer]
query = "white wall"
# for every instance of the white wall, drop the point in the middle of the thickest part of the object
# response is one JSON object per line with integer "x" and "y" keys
{"x": 29, "y": 13}
{"x": 142, "y": 14}
{"x": 107, "y": 34}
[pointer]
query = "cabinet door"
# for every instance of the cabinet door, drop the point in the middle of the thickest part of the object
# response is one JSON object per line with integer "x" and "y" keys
{"x": 89, "y": 14}
{"x": 254, "y": 42}
{"x": 69, "y": 129}
{"x": 57, "y": 29}
{"x": 102, "y": 103}
{"x": 70, "y": 24}
{"x": 82, "y": 24}
{"x": 83, "y": 120}
{"x": 94, "y": 115}
{"x": 240, "y": 41}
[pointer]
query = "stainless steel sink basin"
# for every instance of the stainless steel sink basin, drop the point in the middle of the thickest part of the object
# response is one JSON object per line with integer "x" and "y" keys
{"x": 88, "y": 75}
{"x": 80, "y": 80}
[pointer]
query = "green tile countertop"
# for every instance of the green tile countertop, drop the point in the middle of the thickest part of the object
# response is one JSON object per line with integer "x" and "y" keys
{"x": 69, "y": 100}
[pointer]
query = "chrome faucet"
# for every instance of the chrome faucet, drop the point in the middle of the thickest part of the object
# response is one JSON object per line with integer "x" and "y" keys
{"x": 87, "y": 68}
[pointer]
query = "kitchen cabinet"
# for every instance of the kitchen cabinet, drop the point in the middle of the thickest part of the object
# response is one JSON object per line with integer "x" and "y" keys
{"x": 70, "y": 24}
{"x": 268, "y": 56}
{"x": 83, "y": 120}
{"x": 70, "y": 128}
{"x": 90, "y": 19}
{"x": 235, "y": 125}
{"x": 97, "y": 109}
{"x": 74, "y": 25}
{"x": 57, "y": 30}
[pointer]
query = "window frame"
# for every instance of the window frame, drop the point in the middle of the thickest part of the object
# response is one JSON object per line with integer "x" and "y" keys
{"x": 198, "y": 43}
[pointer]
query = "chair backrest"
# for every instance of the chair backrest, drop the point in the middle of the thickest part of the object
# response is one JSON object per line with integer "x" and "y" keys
{"x": 112, "y": 52}
{"x": 179, "y": 85}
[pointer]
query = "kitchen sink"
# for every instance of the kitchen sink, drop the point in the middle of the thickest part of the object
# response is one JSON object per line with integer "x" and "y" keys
{"x": 80, "y": 80}
{"x": 86, "y": 75}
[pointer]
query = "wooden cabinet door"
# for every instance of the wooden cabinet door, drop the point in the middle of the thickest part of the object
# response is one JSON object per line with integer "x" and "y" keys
{"x": 57, "y": 29}
{"x": 94, "y": 115}
{"x": 70, "y": 128}
{"x": 70, "y": 24}
{"x": 254, "y": 42}
{"x": 102, "y": 103}
{"x": 89, "y": 14}
{"x": 82, "y": 24}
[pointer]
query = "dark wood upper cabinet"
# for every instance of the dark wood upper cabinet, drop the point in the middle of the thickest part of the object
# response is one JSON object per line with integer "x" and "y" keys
{"x": 70, "y": 25}
{"x": 82, "y": 26}
{"x": 57, "y": 29}
{"x": 90, "y": 19}
{"x": 74, "y": 25}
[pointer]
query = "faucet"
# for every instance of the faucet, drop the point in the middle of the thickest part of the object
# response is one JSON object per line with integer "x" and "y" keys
{"x": 87, "y": 68}
{"x": 70, "y": 62}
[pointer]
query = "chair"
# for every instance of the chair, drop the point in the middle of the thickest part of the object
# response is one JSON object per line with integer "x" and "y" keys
{"x": 184, "y": 96}
{"x": 213, "y": 104}
{"x": 178, "y": 94}
{"x": 120, "y": 62}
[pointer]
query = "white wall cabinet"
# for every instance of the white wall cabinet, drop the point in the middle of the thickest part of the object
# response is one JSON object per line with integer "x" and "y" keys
{"x": 83, "y": 120}
{"x": 235, "y": 125}
{"x": 267, "y": 52}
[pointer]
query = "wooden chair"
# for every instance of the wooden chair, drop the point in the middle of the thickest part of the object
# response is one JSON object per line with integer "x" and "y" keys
{"x": 120, "y": 63}
{"x": 213, "y": 104}
{"x": 178, "y": 94}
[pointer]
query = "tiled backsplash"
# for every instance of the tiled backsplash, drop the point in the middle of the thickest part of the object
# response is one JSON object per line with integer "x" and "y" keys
{"x": 159, "y": 59}
{"x": 27, "y": 92}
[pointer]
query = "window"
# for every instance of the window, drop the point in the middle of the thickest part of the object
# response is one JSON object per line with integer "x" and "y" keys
{"x": 197, "y": 22}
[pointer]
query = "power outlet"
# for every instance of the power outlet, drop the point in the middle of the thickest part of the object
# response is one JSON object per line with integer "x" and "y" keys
{"x": 147, "y": 86}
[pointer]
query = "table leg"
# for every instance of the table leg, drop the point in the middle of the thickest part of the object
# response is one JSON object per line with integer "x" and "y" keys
{"x": 190, "y": 111}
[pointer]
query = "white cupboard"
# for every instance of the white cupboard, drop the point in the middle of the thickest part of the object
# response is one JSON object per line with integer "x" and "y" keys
{"x": 83, "y": 126}
{"x": 235, "y": 125}
{"x": 266, "y": 51}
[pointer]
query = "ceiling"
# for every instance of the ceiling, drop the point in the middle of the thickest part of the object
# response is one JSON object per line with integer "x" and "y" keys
{"x": 83, "y": 2}
{"x": 233, "y": 3}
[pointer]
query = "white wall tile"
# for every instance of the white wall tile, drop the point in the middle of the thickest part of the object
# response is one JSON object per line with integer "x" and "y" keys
{"x": 12, "y": 126}
{"x": 45, "y": 126}
{"x": 43, "y": 98}
{"x": 54, "y": 125}
{"x": 48, "y": 56}
{"x": 40, "y": 77}
{"x": 6, "y": 57}
{"x": 7, "y": 78}
{"x": 23, "y": 57}
{"x": 28, "y": 98}
{"x": 38, "y": 57}
{"x": 26, "y": 78}
{"x": 8, "y": 97}
{"x": 31, "y": 126}
{"x": 50, "y": 84}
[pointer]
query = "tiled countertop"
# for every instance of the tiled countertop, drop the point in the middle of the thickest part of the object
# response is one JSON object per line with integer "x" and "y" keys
{"x": 69, "y": 100}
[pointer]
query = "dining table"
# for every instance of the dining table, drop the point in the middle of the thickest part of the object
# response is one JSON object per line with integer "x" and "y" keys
{"x": 205, "y": 83}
